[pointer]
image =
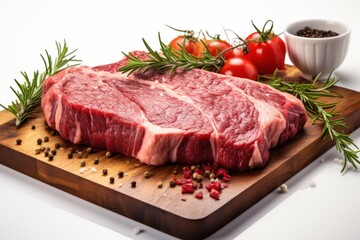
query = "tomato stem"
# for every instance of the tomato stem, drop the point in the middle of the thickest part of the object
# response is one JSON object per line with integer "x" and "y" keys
{"x": 189, "y": 34}
{"x": 265, "y": 34}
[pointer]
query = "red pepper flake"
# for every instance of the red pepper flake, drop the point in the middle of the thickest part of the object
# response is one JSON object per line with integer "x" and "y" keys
{"x": 187, "y": 173}
{"x": 188, "y": 188}
{"x": 223, "y": 173}
{"x": 199, "y": 195}
{"x": 215, "y": 194}
{"x": 179, "y": 181}
{"x": 214, "y": 185}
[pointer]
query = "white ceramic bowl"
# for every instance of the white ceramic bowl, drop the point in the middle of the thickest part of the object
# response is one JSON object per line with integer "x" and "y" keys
{"x": 317, "y": 55}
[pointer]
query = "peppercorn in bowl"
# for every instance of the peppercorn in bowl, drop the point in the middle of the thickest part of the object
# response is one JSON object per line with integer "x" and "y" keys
{"x": 317, "y": 46}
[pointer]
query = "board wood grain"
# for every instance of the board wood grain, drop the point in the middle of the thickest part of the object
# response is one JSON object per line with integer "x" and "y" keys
{"x": 166, "y": 208}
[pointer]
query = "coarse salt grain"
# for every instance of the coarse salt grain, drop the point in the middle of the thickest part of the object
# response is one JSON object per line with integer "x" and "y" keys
{"x": 120, "y": 185}
{"x": 283, "y": 188}
{"x": 156, "y": 81}
{"x": 93, "y": 169}
{"x": 339, "y": 161}
{"x": 152, "y": 86}
{"x": 161, "y": 94}
{"x": 82, "y": 170}
{"x": 136, "y": 231}
{"x": 163, "y": 79}
{"x": 312, "y": 184}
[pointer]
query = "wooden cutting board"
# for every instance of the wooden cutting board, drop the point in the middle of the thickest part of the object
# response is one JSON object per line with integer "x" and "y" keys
{"x": 166, "y": 208}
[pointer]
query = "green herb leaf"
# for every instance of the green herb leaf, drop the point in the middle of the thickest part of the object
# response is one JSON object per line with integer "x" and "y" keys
{"x": 309, "y": 94}
{"x": 169, "y": 59}
{"x": 30, "y": 91}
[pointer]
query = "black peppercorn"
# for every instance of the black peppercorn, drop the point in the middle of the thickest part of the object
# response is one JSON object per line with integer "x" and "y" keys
{"x": 51, "y": 157}
{"x": 33, "y": 127}
{"x": 53, "y": 133}
{"x": 53, "y": 152}
{"x": 104, "y": 171}
{"x": 57, "y": 145}
{"x": 112, "y": 179}
{"x": 37, "y": 151}
{"x": 96, "y": 161}
{"x": 18, "y": 141}
{"x": 82, "y": 163}
{"x": 69, "y": 155}
{"x": 39, "y": 141}
{"x": 46, "y": 139}
{"x": 46, "y": 154}
{"x": 172, "y": 184}
{"x": 120, "y": 174}
{"x": 133, "y": 184}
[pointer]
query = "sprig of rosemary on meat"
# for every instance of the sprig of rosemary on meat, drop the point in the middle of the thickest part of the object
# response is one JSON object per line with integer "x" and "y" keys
{"x": 309, "y": 94}
{"x": 30, "y": 91}
{"x": 169, "y": 59}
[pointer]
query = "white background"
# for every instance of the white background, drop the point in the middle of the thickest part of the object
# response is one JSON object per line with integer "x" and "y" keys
{"x": 101, "y": 30}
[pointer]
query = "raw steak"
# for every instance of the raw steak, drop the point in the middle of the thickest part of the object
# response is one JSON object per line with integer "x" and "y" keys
{"x": 189, "y": 117}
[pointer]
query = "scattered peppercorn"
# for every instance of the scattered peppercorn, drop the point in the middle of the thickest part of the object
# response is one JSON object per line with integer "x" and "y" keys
{"x": 46, "y": 139}
{"x": 96, "y": 161}
{"x": 147, "y": 174}
{"x": 120, "y": 174}
{"x": 79, "y": 154}
{"x": 112, "y": 180}
{"x": 108, "y": 154}
{"x": 89, "y": 150}
{"x": 315, "y": 33}
{"x": 104, "y": 172}
{"x": 37, "y": 151}
{"x": 33, "y": 127}
{"x": 53, "y": 133}
{"x": 133, "y": 184}
{"x": 18, "y": 141}
{"x": 42, "y": 149}
{"x": 172, "y": 184}
{"x": 39, "y": 141}
{"x": 47, "y": 149}
{"x": 72, "y": 150}
{"x": 160, "y": 185}
{"x": 46, "y": 154}
{"x": 57, "y": 145}
{"x": 51, "y": 157}
{"x": 82, "y": 163}
{"x": 70, "y": 155}
{"x": 53, "y": 152}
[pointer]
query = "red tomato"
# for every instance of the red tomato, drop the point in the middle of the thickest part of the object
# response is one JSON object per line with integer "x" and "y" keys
{"x": 239, "y": 67}
{"x": 215, "y": 46}
{"x": 189, "y": 44}
{"x": 266, "y": 50}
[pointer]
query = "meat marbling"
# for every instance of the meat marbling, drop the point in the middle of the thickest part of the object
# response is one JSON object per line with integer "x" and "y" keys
{"x": 188, "y": 117}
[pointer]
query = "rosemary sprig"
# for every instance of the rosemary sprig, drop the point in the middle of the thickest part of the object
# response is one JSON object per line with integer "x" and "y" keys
{"x": 309, "y": 94}
{"x": 169, "y": 59}
{"x": 30, "y": 91}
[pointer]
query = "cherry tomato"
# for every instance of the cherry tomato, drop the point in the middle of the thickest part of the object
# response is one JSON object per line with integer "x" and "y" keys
{"x": 189, "y": 44}
{"x": 266, "y": 50}
{"x": 239, "y": 67}
{"x": 215, "y": 46}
